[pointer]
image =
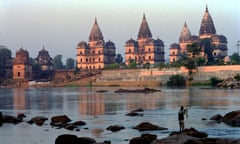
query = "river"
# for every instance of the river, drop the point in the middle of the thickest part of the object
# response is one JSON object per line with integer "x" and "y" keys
{"x": 99, "y": 110}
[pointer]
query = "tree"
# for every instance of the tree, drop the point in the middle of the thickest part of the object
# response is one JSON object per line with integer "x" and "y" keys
{"x": 57, "y": 62}
{"x": 176, "y": 80}
{"x": 207, "y": 47}
{"x": 119, "y": 58}
{"x": 5, "y": 55}
{"x": 70, "y": 63}
{"x": 235, "y": 58}
{"x": 193, "y": 49}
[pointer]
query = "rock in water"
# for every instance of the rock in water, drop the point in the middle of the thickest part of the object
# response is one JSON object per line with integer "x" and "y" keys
{"x": 145, "y": 126}
{"x": 66, "y": 139}
{"x": 1, "y": 119}
{"x": 115, "y": 128}
{"x": 232, "y": 118}
{"x": 217, "y": 118}
{"x": 60, "y": 120}
{"x": 86, "y": 140}
{"x": 38, "y": 120}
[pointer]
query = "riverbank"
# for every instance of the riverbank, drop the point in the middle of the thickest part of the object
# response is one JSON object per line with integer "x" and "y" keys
{"x": 144, "y": 77}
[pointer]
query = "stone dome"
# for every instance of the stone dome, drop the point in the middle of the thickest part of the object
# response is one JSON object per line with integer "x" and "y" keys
{"x": 207, "y": 25}
{"x": 131, "y": 42}
{"x": 219, "y": 38}
{"x": 185, "y": 35}
{"x": 110, "y": 44}
{"x": 159, "y": 42}
{"x": 96, "y": 33}
{"x": 175, "y": 46}
{"x": 22, "y": 57}
{"x": 82, "y": 44}
{"x": 144, "y": 30}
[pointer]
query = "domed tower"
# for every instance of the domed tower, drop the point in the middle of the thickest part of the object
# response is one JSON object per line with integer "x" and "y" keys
{"x": 44, "y": 60}
{"x": 175, "y": 52}
{"x": 22, "y": 68}
{"x": 130, "y": 49}
{"x": 185, "y": 38}
{"x": 220, "y": 46}
{"x": 207, "y": 28}
{"x": 145, "y": 50}
{"x": 96, "y": 54}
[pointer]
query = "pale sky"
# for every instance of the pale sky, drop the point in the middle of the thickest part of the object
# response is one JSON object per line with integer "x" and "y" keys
{"x": 60, "y": 25}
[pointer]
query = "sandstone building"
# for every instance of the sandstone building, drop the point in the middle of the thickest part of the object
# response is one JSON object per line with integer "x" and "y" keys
{"x": 22, "y": 68}
{"x": 144, "y": 50}
{"x": 96, "y": 54}
{"x": 44, "y": 60}
{"x": 207, "y": 31}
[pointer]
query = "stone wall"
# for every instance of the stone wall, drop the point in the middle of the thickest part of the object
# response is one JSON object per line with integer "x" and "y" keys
{"x": 153, "y": 77}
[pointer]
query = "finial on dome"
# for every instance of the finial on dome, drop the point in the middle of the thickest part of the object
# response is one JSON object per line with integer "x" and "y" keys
{"x": 206, "y": 8}
{"x": 144, "y": 17}
{"x": 95, "y": 22}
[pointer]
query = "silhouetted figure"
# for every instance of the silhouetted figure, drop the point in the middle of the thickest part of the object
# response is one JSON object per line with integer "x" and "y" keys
{"x": 181, "y": 118}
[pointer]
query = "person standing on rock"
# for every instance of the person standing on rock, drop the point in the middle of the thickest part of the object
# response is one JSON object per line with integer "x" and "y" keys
{"x": 181, "y": 118}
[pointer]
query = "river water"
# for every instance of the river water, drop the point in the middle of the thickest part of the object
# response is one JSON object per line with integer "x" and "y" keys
{"x": 99, "y": 110}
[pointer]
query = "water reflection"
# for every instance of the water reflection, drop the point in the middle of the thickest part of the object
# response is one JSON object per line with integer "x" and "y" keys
{"x": 19, "y": 99}
{"x": 91, "y": 104}
{"x": 87, "y": 102}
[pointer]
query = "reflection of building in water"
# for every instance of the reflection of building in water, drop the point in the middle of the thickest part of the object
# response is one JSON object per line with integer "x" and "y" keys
{"x": 143, "y": 101}
{"x": 91, "y": 104}
{"x": 19, "y": 99}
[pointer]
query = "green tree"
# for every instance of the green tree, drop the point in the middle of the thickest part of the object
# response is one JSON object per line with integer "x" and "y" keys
{"x": 194, "y": 49}
{"x": 5, "y": 55}
{"x": 235, "y": 58}
{"x": 57, "y": 62}
{"x": 70, "y": 63}
{"x": 207, "y": 48}
{"x": 119, "y": 58}
{"x": 214, "y": 81}
{"x": 133, "y": 64}
{"x": 237, "y": 77}
{"x": 176, "y": 80}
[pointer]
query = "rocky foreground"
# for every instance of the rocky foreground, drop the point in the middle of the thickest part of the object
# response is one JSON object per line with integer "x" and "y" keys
{"x": 188, "y": 136}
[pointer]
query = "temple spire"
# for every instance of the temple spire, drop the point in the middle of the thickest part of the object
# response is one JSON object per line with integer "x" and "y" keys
{"x": 96, "y": 33}
{"x": 207, "y": 26}
{"x": 144, "y": 31}
{"x": 185, "y": 33}
{"x": 206, "y": 10}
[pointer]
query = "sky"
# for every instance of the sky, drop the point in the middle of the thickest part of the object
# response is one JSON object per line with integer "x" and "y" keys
{"x": 59, "y": 25}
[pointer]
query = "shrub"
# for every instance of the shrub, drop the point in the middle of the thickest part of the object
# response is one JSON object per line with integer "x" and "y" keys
{"x": 214, "y": 81}
{"x": 176, "y": 80}
{"x": 237, "y": 77}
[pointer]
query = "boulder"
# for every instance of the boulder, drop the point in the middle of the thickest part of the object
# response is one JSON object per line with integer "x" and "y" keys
{"x": 191, "y": 132}
{"x": 174, "y": 139}
{"x": 79, "y": 123}
{"x": 134, "y": 114}
{"x": 232, "y": 118}
{"x": 38, "y": 120}
{"x": 138, "y": 140}
{"x": 70, "y": 127}
{"x": 217, "y": 118}
{"x": 66, "y": 139}
{"x": 86, "y": 140}
{"x": 145, "y": 126}
{"x": 138, "y": 110}
{"x": 213, "y": 141}
{"x": 60, "y": 120}
{"x": 1, "y": 119}
{"x": 115, "y": 128}
{"x": 13, "y": 119}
